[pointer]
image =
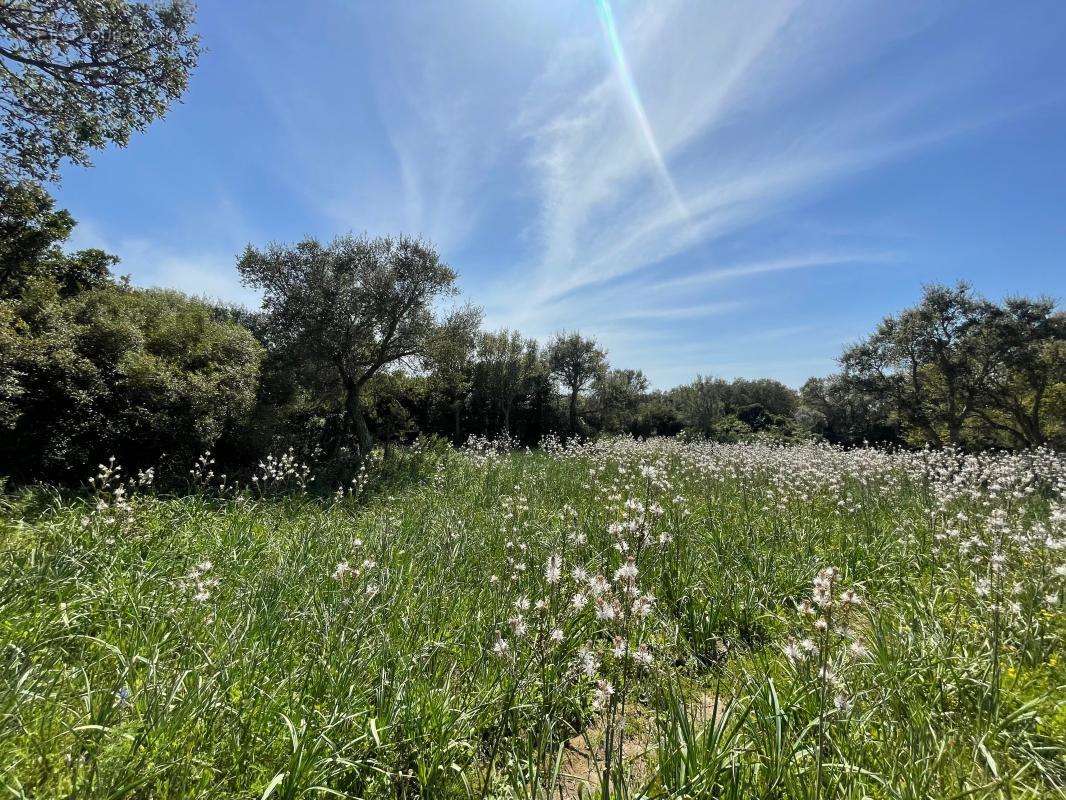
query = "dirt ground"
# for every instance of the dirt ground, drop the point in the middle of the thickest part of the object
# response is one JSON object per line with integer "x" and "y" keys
{"x": 581, "y": 769}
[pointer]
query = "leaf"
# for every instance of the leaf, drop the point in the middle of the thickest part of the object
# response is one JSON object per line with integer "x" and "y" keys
{"x": 374, "y": 731}
{"x": 273, "y": 785}
{"x": 989, "y": 760}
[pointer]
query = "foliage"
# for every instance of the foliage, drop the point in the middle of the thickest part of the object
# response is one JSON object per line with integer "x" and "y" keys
{"x": 576, "y": 362}
{"x": 354, "y": 306}
{"x": 729, "y": 411}
{"x": 840, "y": 410}
{"x": 1022, "y": 395}
{"x": 956, "y": 364}
{"x": 505, "y": 363}
{"x": 31, "y": 235}
{"x": 355, "y": 349}
{"x": 114, "y": 371}
{"x": 76, "y": 76}
{"x": 618, "y": 395}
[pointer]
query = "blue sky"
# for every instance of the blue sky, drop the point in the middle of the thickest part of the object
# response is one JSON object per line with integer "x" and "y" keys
{"x": 736, "y": 189}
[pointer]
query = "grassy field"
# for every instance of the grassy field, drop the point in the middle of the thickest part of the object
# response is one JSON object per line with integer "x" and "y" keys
{"x": 624, "y": 620}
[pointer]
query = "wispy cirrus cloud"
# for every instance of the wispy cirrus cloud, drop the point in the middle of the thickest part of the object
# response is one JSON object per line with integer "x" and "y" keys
{"x": 649, "y": 172}
{"x": 752, "y": 111}
{"x": 650, "y": 296}
{"x": 632, "y": 134}
{"x": 724, "y": 273}
{"x": 202, "y": 272}
{"x": 668, "y": 312}
{"x": 710, "y": 76}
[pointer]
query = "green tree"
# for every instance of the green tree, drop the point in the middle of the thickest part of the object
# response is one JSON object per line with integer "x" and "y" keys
{"x": 90, "y": 368}
{"x": 576, "y": 362}
{"x": 1028, "y": 338}
{"x": 354, "y": 306}
{"x": 393, "y": 398}
{"x": 657, "y": 416}
{"x": 505, "y": 360}
{"x": 843, "y": 412}
{"x": 959, "y": 369}
{"x": 773, "y": 397}
{"x": 932, "y": 360}
{"x": 116, "y": 371}
{"x": 451, "y": 375}
{"x": 539, "y": 395}
{"x": 702, "y": 403}
{"x": 31, "y": 237}
{"x": 619, "y": 393}
{"x": 76, "y": 76}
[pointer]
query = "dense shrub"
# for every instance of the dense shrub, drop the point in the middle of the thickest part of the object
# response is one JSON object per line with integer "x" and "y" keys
{"x": 116, "y": 371}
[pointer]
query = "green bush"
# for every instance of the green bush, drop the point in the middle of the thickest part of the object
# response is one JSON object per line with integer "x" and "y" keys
{"x": 137, "y": 374}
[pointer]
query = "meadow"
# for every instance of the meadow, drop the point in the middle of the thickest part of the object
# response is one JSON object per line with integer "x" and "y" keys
{"x": 666, "y": 618}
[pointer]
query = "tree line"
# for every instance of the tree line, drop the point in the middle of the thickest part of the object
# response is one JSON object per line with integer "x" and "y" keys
{"x": 363, "y": 342}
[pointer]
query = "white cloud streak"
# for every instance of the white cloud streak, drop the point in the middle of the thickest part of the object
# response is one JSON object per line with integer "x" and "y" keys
{"x": 756, "y": 111}
{"x": 209, "y": 274}
{"x": 750, "y": 113}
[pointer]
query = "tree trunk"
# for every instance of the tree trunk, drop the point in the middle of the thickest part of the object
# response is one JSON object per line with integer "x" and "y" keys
{"x": 1035, "y": 427}
{"x": 1032, "y": 432}
{"x": 457, "y": 408}
{"x": 955, "y": 432}
{"x": 356, "y": 420}
{"x": 573, "y": 411}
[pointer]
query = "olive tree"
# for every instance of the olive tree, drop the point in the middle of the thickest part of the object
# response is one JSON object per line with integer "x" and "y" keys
{"x": 78, "y": 75}
{"x": 576, "y": 362}
{"x": 1028, "y": 338}
{"x": 354, "y": 306}
{"x": 932, "y": 360}
{"x": 961, "y": 369}
{"x": 620, "y": 392}
{"x": 504, "y": 362}
{"x": 451, "y": 374}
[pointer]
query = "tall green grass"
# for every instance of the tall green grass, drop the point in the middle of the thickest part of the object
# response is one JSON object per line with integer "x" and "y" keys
{"x": 251, "y": 643}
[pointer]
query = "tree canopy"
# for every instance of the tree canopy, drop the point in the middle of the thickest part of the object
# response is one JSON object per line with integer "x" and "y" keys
{"x": 116, "y": 371}
{"x": 76, "y": 76}
{"x": 957, "y": 364}
{"x": 354, "y": 306}
{"x": 576, "y": 362}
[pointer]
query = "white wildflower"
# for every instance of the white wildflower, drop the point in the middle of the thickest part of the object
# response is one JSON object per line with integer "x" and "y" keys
{"x": 553, "y": 571}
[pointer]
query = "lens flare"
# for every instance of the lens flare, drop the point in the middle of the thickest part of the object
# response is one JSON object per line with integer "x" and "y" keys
{"x": 622, "y": 68}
